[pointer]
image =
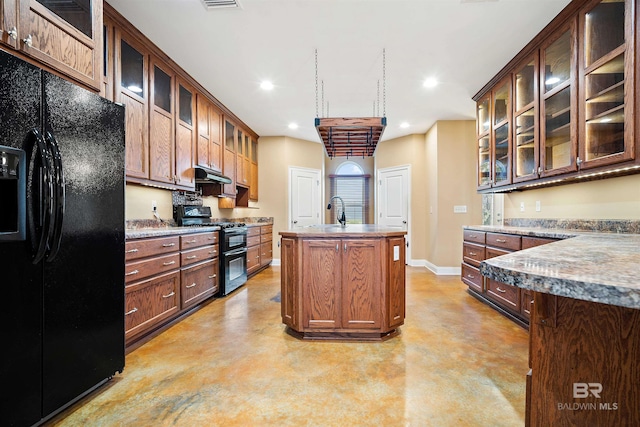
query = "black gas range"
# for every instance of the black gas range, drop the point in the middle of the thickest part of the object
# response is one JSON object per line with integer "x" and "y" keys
{"x": 233, "y": 244}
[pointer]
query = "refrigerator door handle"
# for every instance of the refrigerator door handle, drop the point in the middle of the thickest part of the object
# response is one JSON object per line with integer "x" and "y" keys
{"x": 46, "y": 186}
{"x": 59, "y": 199}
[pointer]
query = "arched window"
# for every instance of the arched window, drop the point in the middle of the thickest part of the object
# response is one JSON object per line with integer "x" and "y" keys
{"x": 352, "y": 184}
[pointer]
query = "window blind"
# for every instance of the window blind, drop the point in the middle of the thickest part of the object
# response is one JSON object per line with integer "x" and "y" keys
{"x": 354, "y": 190}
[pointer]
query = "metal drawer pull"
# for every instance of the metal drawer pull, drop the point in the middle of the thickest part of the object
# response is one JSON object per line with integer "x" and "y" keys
{"x": 168, "y": 263}
{"x": 471, "y": 276}
{"x": 336, "y": 248}
{"x": 258, "y": 256}
{"x": 345, "y": 248}
{"x": 191, "y": 285}
{"x": 168, "y": 245}
{"x": 170, "y": 295}
{"x": 213, "y": 252}
{"x": 500, "y": 290}
{"x": 212, "y": 238}
{"x": 131, "y": 273}
{"x": 192, "y": 241}
{"x": 473, "y": 253}
{"x": 131, "y": 311}
{"x": 501, "y": 241}
{"x": 192, "y": 257}
{"x": 212, "y": 276}
{"x": 130, "y": 251}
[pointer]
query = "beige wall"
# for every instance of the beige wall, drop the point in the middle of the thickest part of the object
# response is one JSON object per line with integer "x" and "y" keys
{"x": 612, "y": 198}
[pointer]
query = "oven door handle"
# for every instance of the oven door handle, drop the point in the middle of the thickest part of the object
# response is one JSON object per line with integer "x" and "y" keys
{"x": 236, "y": 252}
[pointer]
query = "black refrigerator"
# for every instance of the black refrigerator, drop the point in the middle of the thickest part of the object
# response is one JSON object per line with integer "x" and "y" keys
{"x": 61, "y": 242}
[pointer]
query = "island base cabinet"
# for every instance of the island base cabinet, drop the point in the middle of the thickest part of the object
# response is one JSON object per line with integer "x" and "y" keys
{"x": 584, "y": 360}
{"x": 343, "y": 289}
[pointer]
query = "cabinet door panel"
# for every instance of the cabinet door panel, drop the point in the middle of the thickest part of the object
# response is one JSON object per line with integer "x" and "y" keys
{"x": 361, "y": 278}
{"x": 185, "y": 135}
{"x": 321, "y": 284}
{"x": 266, "y": 253}
{"x": 289, "y": 279}
{"x": 161, "y": 147}
{"x": 198, "y": 282}
{"x": 396, "y": 282}
{"x": 215, "y": 148}
{"x": 9, "y": 23}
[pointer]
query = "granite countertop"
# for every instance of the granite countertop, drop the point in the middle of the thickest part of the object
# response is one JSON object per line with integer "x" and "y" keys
{"x": 598, "y": 267}
{"x": 551, "y": 233}
{"x": 140, "y": 233}
{"x": 337, "y": 231}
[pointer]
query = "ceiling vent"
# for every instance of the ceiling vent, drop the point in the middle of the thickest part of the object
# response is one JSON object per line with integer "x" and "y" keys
{"x": 220, "y": 4}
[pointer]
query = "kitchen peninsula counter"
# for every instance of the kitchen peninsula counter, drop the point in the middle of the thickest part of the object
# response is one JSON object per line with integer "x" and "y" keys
{"x": 584, "y": 329}
{"x": 343, "y": 283}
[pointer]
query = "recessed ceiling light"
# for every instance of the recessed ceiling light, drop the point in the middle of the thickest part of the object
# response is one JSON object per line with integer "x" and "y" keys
{"x": 293, "y": 126}
{"x": 430, "y": 82}
{"x": 266, "y": 85}
{"x": 404, "y": 125}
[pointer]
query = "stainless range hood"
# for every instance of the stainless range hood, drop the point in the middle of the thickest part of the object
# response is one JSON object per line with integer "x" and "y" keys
{"x": 209, "y": 176}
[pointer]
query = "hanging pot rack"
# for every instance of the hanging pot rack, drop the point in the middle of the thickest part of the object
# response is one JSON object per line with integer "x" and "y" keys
{"x": 351, "y": 136}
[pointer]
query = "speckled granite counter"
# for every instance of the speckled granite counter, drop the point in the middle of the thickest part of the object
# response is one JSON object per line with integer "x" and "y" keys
{"x": 597, "y": 267}
{"x": 336, "y": 231}
{"x": 165, "y": 231}
{"x": 551, "y": 233}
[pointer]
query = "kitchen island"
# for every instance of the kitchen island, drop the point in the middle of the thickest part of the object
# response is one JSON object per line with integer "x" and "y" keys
{"x": 585, "y": 328}
{"x": 343, "y": 283}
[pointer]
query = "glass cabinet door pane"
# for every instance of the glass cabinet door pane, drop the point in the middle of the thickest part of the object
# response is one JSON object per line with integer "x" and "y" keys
{"x": 557, "y": 62}
{"x": 603, "y": 30}
{"x": 78, "y": 13}
{"x": 132, "y": 69}
{"x": 161, "y": 89}
{"x": 557, "y": 143}
{"x": 484, "y": 115}
{"x": 185, "y": 105}
{"x": 484, "y": 161}
{"x": 230, "y": 130}
{"x": 525, "y": 79}
{"x": 240, "y": 142}
{"x": 525, "y": 143}
{"x": 254, "y": 151}
{"x": 501, "y": 104}
{"x": 501, "y": 150}
{"x": 247, "y": 142}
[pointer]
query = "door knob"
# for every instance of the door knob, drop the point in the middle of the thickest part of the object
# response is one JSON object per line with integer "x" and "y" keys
{"x": 404, "y": 222}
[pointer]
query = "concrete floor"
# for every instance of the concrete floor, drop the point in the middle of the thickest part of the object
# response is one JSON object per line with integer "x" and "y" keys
{"x": 456, "y": 363}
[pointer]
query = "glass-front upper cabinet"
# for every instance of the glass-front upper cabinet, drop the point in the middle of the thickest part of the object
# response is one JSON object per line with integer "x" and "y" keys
{"x": 606, "y": 92}
{"x": 78, "y": 13}
{"x": 558, "y": 103}
{"x": 483, "y": 120}
{"x": 525, "y": 100}
{"x": 501, "y": 136}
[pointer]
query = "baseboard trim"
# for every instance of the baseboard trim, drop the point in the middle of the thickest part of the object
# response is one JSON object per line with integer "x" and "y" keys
{"x": 443, "y": 271}
{"x": 275, "y": 262}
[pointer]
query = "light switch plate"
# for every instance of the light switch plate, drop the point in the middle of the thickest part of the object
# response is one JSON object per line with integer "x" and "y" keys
{"x": 521, "y": 206}
{"x": 460, "y": 209}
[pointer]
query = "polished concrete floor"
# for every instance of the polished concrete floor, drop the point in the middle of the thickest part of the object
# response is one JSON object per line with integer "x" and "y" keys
{"x": 455, "y": 363}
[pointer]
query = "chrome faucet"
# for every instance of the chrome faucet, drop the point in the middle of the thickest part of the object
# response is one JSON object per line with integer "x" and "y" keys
{"x": 342, "y": 219}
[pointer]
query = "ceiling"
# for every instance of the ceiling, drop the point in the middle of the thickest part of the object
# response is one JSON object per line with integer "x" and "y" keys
{"x": 230, "y": 51}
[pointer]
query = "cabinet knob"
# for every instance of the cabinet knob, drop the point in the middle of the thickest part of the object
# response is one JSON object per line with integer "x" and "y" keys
{"x": 13, "y": 33}
{"x": 28, "y": 41}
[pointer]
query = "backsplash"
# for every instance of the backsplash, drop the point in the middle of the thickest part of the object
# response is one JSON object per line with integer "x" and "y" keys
{"x": 631, "y": 226}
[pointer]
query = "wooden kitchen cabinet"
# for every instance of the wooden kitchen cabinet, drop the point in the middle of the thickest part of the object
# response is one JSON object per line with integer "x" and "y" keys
{"x": 573, "y": 105}
{"x": 253, "y": 189}
{"x": 259, "y": 248}
{"x": 66, "y": 36}
{"x": 185, "y": 135}
{"x": 229, "y": 160}
{"x": 243, "y": 164}
{"x": 199, "y": 282}
{"x": 209, "y": 144}
{"x": 343, "y": 288}
{"x": 162, "y": 142}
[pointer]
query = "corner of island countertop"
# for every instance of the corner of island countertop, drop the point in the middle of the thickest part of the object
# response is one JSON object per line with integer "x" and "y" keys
{"x": 337, "y": 231}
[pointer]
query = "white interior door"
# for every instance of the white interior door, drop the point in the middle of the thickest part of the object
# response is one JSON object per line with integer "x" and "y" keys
{"x": 304, "y": 197}
{"x": 393, "y": 207}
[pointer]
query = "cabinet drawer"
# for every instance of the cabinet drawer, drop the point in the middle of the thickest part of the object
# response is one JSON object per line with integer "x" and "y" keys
{"x": 151, "y": 301}
{"x": 143, "y": 248}
{"x": 472, "y": 277}
{"x": 199, "y": 254}
{"x": 253, "y": 231}
{"x": 198, "y": 282}
{"x": 505, "y": 241}
{"x": 474, "y": 236}
{"x": 266, "y": 229}
{"x": 201, "y": 239}
{"x": 532, "y": 242}
{"x": 493, "y": 252}
{"x": 253, "y": 241}
{"x": 505, "y": 295}
{"x": 266, "y": 238}
{"x": 253, "y": 258}
{"x": 473, "y": 254}
{"x": 140, "y": 269}
{"x": 266, "y": 253}
{"x": 526, "y": 302}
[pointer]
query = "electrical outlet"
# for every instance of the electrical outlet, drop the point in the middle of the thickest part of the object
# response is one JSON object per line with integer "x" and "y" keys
{"x": 538, "y": 206}
{"x": 460, "y": 209}
{"x": 521, "y": 206}
{"x": 154, "y": 205}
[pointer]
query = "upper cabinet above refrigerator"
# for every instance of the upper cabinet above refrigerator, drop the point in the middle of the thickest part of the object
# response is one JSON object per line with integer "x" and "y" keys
{"x": 38, "y": 29}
